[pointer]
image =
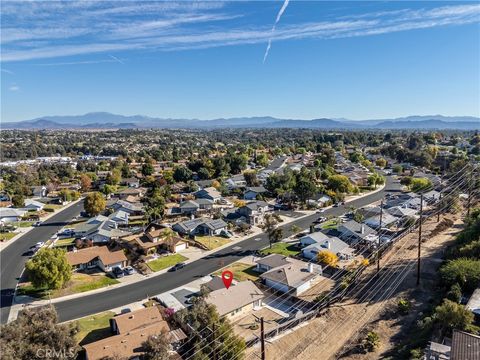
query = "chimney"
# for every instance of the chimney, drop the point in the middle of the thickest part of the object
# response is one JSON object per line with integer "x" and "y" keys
{"x": 310, "y": 267}
{"x": 192, "y": 216}
{"x": 362, "y": 229}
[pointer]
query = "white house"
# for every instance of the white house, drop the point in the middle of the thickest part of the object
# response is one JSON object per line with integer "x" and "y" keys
{"x": 11, "y": 215}
{"x": 34, "y": 205}
{"x": 316, "y": 244}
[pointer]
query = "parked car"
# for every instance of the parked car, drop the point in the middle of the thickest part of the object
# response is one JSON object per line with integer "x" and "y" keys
{"x": 178, "y": 266}
{"x": 321, "y": 211}
{"x": 117, "y": 272}
{"x": 128, "y": 270}
{"x": 226, "y": 233}
{"x": 39, "y": 244}
{"x": 335, "y": 205}
{"x": 37, "y": 223}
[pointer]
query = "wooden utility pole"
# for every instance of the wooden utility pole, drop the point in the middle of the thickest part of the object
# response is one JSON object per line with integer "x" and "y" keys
{"x": 262, "y": 338}
{"x": 469, "y": 200}
{"x": 420, "y": 239}
{"x": 379, "y": 231}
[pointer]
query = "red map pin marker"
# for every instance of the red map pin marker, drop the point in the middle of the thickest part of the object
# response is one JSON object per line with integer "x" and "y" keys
{"x": 227, "y": 277}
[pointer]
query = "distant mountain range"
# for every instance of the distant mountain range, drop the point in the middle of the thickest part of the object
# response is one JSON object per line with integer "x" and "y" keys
{"x": 104, "y": 120}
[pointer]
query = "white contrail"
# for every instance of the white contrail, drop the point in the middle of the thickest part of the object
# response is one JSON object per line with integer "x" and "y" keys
{"x": 279, "y": 15}
{"x": 117, "y": 59}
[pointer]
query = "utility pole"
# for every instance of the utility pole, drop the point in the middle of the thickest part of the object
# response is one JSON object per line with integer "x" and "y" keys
{"x": 469, "y": 201}
{"x": 420, "y": 239}
{"x": 379, "y": 231}
{"x": 214, "y": 350}
{"x": 439, "y": 204}
{"x": 262, "y": 339}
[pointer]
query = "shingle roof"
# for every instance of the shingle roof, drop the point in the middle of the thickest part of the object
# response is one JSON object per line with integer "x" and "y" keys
{"x": 293, "y": 274}
{"x": 235, "y": 297}
{"x": 137, "y": 319}
{"x": 273, "y": 260}
{"x": 86, "y": 255}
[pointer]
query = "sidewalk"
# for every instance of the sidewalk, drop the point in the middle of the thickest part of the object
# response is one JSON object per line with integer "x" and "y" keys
{"x": 23, "y": 231}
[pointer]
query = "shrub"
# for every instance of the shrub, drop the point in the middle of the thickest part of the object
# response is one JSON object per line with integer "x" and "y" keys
{"x": 404, "y": 306}
{"x": 372, "y": 341}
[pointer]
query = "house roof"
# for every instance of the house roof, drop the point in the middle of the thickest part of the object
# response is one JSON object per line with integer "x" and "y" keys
{"x": 387, "y": 219}
{"x": 474, "y": 302}
{"x": 401, "y": 211}
{"x": 256, "y": 189}
{"x": 211, "y": 191}
{"x": 31, "y": 202}
{"x": 235, "y": 297}
{"x": 124, "y": 345}
{"x": 333, "y": 244}
{"x": 217, "y": 283}
{"x": 273, "y": 260}
{"x": 189, "y": 204}
{"x": 86, "y": 255}
{"x": 465, "y": 346}
{"x": 138, "y": 319}
{"x": 293, "y": 274}
{"x": 119, "y": 214}
{"x": 255, "y": 205}
{"x": 108, "y": 229}
{"x": 215, "y": 224}
{"x": 356, "y": 228}
{"x": 128, "y": 205}
{"x": 10, "y": 212}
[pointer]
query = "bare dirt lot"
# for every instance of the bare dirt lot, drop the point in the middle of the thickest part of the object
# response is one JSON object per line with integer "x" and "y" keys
{"x": 372, "y": 305}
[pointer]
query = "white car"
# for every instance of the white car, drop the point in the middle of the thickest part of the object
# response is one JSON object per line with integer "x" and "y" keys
{"x": 39, "y": 244}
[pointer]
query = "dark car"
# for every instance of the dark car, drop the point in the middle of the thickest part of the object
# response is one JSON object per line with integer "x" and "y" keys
{"x": 128, "y": 270}
{"x": 177, "y": 266}
{"x": 117, "y": 272}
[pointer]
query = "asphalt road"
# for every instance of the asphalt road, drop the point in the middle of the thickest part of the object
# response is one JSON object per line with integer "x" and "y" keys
{"x": 120, "y": 296}
{"x": 13, "y": 257}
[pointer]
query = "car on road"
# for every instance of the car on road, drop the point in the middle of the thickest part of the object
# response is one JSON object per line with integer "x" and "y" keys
{"x": 321, "y": 211}
{"x": 38, "y": 245}
{"x": 176, "y": 267}
{"x": 117, "y": 272}
{"x": 37, "y": 223}
{"x": 128, "y": 270}
{"x": 320, "y": 220}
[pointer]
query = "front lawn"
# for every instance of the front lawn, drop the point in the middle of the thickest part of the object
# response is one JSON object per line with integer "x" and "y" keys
{"x": 6, "y": 236}
{"x": 241, "y": 271}
{"x": 330, "y": 224}
{"x": 165, "y": 262}
{"x": 24, "y": 223}
{"x": 212, "y": 242}
{"x": 64, "y": 242}
{"x": 52, "y": 207}
{"x": 281, "y": 248}
{"x": 93, "y": 328}
{"x": 78, "y": 283}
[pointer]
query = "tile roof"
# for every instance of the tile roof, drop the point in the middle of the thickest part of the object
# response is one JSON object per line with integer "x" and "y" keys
{"x": 465, "y": 346}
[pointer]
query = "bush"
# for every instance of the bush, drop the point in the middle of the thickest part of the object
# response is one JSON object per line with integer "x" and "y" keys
{"x": 465, "y": 272}
{"x": 372, "y": 341}
{"x": 49, "y": 210}
{"x": 455, "y": 293}
{"x": 404, "y": 306}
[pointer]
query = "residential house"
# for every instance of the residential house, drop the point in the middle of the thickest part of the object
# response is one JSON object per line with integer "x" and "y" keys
{"x": 473, "y": 303}
{"x": 216, "y": 283}
{"x": 236, "y": 182}
{"x": 11, "y": 215}
{"x": 251, "y": 193}
{"x": 294, "y": 278}
{"x": 131, "y": 330}
{"x": 131, "y": 208}
{"x": 89, "y": 225}
{"x": 190, "y": 207}
{"x": 132, "y": 193}
{"x": 104, "y": 232}
{"x": 254, "y": 212}
{"x": 432, "y": 197}
{"x": 462, "y": 346}
{"x": 39, "y": 191}
{"x": 319, "y": 200}
{"x": 269, "y": 262}
{"x": 120, "y": 217}
{"x": 202, "y": 184}
{"x": 96, "y": 256}
{"x": 353, "y": 233}
{"x": 155, "y": 239}
{"x": 400, "y": 211}
{"x": 386, "y": 221}
{"x": 200, "y": 226}
{"x": 318, "y": 242}
{"x": 131, "y": 182}
{"x": 33, "y": 205}
{"x": 245, "y": 296}
{"x": 209, "y": 193}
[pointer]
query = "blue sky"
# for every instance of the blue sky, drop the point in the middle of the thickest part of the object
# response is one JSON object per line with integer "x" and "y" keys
{"x": 358, "y": 60}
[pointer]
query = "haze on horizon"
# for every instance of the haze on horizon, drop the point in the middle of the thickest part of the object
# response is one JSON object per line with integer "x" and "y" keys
{"x": 204, "y": 60}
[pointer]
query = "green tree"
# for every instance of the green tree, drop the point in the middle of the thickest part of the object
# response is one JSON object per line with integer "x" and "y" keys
{"x": 420, "y": 184}
{"x": 114, "y": 177}
{"x": 464, "y": 271}
{"x": 157, "y": 347}
{"x": 274, "y": 233}
{"x": 304, "y": 186}
{"x": 182, "y": 173}
{"x": 372, "y": 341}
{"x": 18, "y": 200}
{"x": 94, "y": 203}
{"x": 37, "y": 329}
{"x": 340, "y": 183}
{"x": 451, "y": 316}
{"x": 381, "y": 162}
{"x": 49, "y": 268}
{"x": 147, "y": 169}
{"x": 250, "y": 178}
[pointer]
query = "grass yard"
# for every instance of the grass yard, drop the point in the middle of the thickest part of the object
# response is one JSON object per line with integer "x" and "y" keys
{"x": 78, "y": 283}
{"x": 6, "y": 236}
{"x": 165, "y": 262}
{"x": 64, "y": 242}
{"x": 212, "y": 242}
{"x": 52, "y": 207}
{"x": 23, "y": 223}
{"x": 93, "y": 328}
{"x": 282, "y": 249}
{"x": 241, "y": 271}
{"x": 330, "y": 224}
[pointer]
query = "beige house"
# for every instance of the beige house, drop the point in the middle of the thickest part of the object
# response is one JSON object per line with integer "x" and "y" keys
{"x": 96, "y": 256}
{"x": 236, "y": 300}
